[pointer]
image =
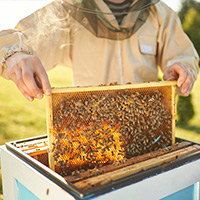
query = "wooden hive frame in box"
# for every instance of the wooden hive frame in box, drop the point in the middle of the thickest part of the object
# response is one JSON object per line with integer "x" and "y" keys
{"x": 93, "y": 126}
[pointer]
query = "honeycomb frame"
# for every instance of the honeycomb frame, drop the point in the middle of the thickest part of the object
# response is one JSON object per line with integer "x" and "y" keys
{"x": 147, "y": 123}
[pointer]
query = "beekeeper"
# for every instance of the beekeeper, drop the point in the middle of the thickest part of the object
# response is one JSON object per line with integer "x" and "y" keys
{"x": 103, "y": 41}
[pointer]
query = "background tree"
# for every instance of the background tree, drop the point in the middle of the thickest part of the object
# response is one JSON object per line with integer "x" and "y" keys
{"x": 190, "y": 18}
{"x": 185, "y": 110}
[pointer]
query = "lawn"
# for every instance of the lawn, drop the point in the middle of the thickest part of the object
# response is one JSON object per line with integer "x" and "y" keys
{"x": 22, "y": 119}
{"x": 192, "y": 130}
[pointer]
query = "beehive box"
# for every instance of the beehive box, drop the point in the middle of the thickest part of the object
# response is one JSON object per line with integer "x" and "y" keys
{"x": 94, "y": 126}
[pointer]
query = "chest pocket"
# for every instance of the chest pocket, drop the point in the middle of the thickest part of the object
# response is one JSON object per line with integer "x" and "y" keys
{"x": 147, "y": 44}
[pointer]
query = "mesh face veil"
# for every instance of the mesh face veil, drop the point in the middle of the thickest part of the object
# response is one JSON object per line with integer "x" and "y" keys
{"x": 96, "y": 17}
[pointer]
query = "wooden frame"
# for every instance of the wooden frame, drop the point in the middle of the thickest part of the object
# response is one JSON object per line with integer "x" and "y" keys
{"x": 55, "y": 91}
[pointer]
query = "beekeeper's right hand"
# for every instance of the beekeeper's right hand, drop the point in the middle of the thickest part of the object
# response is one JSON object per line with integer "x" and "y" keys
{"x": 27, "y": 72}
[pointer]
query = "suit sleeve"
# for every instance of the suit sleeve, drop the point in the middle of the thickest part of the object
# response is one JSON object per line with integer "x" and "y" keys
{"x": 46, "y": 33}
{"x": 173, "y": 44}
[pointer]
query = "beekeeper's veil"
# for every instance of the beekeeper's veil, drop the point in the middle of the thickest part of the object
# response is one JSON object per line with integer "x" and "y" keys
{"x": 97, "y": 17}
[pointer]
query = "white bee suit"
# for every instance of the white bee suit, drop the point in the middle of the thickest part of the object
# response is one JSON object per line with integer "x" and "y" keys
{"x": 96, "y": 47}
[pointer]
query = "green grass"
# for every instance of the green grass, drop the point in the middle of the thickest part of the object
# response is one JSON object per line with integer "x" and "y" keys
{"x": 22, "y": 119}
{"x": 192, "y": 130}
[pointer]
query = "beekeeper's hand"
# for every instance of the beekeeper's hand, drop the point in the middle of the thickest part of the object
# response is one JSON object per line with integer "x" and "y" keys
{"x": 184, "y": 75}
{"x": 27, "y": 72}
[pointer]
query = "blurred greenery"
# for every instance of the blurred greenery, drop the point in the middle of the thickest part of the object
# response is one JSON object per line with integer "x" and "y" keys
{"x": 185, "y": 110}
{"x": 190, "y": 19}
{"x": 20, "y": 118}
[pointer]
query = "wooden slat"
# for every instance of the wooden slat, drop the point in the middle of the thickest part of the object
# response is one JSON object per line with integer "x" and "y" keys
{"x": 32, "y": 147}
{"x": 37, "y": 152}
{"x": 173, "y": 107}
{"x": 126, "y": 171}
{"x": 108, "y": 168}
{"x": 114, "y": 87}
{"x": 49, "y": 112}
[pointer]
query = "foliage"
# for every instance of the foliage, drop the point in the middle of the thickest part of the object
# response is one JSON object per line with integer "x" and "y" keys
{"x": 185, "y": 110}
{"x": 186, "y": 5}
{"x": 190, "y": 18}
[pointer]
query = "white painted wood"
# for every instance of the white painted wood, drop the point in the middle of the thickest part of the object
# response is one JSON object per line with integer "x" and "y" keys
{"x": 153, "y": 188}
{"x": 14, "y": 168}
{"x": 159, "y": 186}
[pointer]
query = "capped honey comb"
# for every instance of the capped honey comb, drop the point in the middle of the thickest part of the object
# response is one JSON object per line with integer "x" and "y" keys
{"x": 93, "y": 126}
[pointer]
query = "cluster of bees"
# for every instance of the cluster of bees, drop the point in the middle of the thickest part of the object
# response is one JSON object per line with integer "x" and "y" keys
{"x": 97, "y": 128}
{"x": 86, "y": 148}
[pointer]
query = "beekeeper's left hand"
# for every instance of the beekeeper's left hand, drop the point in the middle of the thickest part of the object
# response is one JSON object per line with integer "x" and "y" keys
{"x": 184, "y": 76}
